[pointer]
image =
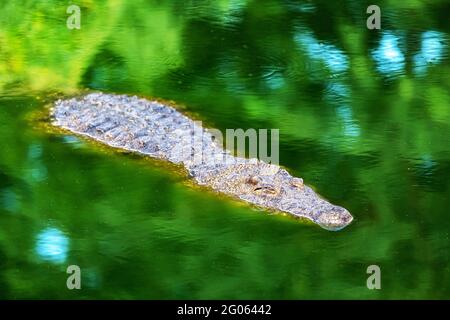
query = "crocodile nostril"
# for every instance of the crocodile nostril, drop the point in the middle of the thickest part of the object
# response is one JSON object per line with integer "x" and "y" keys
{"x": 297, "y": 182}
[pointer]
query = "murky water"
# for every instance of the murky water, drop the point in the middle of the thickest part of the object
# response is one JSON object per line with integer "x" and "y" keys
{"x": 364, "y": 117}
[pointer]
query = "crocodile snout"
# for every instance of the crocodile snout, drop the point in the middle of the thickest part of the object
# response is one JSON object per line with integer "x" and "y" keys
{"x": 334, "y": 219}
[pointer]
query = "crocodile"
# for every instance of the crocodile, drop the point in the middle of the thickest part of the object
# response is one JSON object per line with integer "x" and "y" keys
{"x": 157, "y": 129}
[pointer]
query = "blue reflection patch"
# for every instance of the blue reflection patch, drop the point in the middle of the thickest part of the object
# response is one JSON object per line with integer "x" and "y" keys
{"x": 431, "y": 52}
{"x": 52, "y": 245}
{"x": 331, "y": 56}
{"x": 73, "y": 141}
{"x": 9, "y": 200}
{"x": 351, "y": 128}
{"x": 388, "y": 56}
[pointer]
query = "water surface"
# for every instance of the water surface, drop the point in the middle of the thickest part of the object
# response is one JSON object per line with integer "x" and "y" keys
{"x": 364, "y": 117}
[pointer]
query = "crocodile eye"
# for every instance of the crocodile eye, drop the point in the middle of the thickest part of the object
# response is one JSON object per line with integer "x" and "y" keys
{"x": 268, "y": 190}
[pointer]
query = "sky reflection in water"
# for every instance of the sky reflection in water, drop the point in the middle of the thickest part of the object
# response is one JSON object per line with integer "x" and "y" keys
{"x": 388, "y": 56}
{"x": 431, "y": 52}
{"x": 52, "y": 245}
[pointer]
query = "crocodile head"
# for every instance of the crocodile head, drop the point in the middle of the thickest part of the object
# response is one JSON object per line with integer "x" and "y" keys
{"x": 273, "y": 187}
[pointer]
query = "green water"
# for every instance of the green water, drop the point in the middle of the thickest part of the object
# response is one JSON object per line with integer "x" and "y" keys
{"x": 364, "y": 117}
